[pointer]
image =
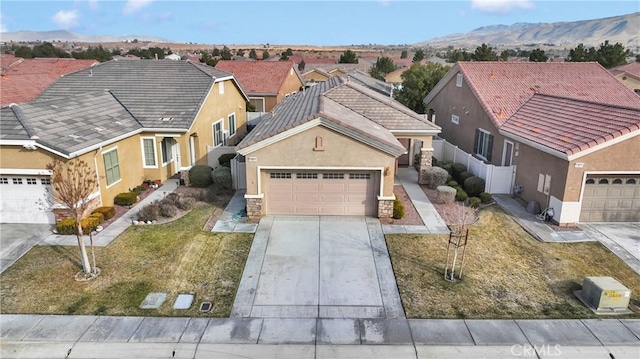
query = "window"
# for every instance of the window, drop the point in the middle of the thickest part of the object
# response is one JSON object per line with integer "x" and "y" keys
{"x": 359, "y": 176}
{"x": 111, "y": 167}
{"x": 166, "y": 150}
{"x": 307, "y": 175}
{"x": 459, "y": 80}
{"x": 590, "y": 181}
{"x": 221, "y": 88}
{"x": 32, "y": 181}
{"x": 45, "y": 181}
{"x": 258, "y": 103}
{"x": 455, "y": 119}
{"x": 631, "y": 181}
{"x": 4, "y": 180}
{"x": 617, "y": 181}
{"x": 149, "y": 152}
{"x": 232, "y": 124}
{"x": 16, "y": 180}
{"x": 280, "y": 175}
{"x": 333, "y": 175}
{"x": 218, "y": 137}
{"x": 603, "y": 181}
{"x": 483, "y": 144}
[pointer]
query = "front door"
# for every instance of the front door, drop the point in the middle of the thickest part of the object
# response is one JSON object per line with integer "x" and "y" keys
{"x": 507, "y": 153}
{"x": 175, "y": 152}
{"x": 405, "y": 160}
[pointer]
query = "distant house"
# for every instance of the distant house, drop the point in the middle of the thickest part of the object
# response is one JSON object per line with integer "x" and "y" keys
{"x": 265, "y": 82}
{"x": 366, "y": 80}
{"x": 25, "y": 79}
{"x": 173, "y": 57}
{"x": 317, "y": 72}
{"x": 629, "y": 75}
{"x": 570, "y": 129}
{"x": 395, "y": 77}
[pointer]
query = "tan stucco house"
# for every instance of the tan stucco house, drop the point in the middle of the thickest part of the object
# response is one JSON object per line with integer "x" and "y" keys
{"x": 332, "y": 149}
{"x": 571, "y": 129}
{"x": 629, "y": 75}
{"x": 129, "y": 120}
{"x": 265, "y": 82}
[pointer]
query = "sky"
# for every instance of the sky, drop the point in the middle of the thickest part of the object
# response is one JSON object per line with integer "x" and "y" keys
{"x": 385, "y": 22}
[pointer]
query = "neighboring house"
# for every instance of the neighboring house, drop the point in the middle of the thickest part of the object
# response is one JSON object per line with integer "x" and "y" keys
{"x": 129, "y": 120}
{"x": 266, "y": 83}
{"x": 317, "y": 72}
{"x": 365, "y": 79}
{"x": 174, "y": 57}
{"x": 629, "y": 75}
{"x": 571, "y": 129}
{"x": 332, "y": 149}
{"x": 395, "y": 77}
{"x": 25, "y": 79}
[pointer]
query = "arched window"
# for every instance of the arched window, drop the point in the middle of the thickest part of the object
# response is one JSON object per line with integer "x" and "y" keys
{"x": 631, "y": 181}
{"x": 590, "y": 181}
{"x": 603, "y": 181}
{"x": 617, "y": 181}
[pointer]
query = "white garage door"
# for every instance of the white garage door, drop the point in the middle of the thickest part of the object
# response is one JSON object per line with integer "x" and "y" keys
{"x": 25, "y": 199}
{"x": 321, "y": 193}
{"x": 611, "y": 198}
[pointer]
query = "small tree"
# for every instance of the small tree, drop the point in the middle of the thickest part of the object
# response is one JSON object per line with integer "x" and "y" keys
{"x": 253, "y": 55}
{"x": 240, "y": 52}
{"x": 538, "y": 55}
{"x": 383, "y": 66}
{"x": 484, "y": 53}
{"x": 265, "y": 55}
{"x": 458, "y": 219}
{"x": 404, "y": 54}
{"x": 72, "y": 184}
{"x": 419, "y": 55}
{"x": 348, "y": 57}
{"x": 225, "y": 54}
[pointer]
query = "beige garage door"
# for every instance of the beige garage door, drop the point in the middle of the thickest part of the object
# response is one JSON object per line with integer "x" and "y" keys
{"x": 609, "y": 198}
{"x": 321, "y": 193}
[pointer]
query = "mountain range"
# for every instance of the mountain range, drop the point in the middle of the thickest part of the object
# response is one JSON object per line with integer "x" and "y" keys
{"x": 624, "y": 29}
{"x": 64, "y": 35}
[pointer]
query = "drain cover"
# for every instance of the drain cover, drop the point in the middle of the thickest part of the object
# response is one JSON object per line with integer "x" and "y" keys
{"x": 205, "y": 306}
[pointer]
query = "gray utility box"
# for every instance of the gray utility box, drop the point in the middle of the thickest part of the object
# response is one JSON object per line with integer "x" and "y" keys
{"x": 604, "y": 295}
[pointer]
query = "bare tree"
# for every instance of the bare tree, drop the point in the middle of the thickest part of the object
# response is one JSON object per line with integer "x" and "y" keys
{"x": 72, "y": 183}
{"x": 458, "y": 218}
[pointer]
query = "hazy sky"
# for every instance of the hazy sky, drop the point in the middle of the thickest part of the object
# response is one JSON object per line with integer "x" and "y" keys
{"x": 294, "y": 22}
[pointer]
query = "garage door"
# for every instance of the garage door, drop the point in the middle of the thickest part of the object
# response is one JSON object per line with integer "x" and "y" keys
{"x": 611, "y": 199}
{"x": 25, "y": 200}
{"x": 318, "y": 193}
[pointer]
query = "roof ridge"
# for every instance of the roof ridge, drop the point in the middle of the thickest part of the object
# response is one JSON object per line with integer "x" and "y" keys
{"x": 581, "y": 101}
{"x": 202, "y": 70}
{"x": 125, "y": 107}
{"x": 391, "y": 100}
{"x": 26, "y": 124}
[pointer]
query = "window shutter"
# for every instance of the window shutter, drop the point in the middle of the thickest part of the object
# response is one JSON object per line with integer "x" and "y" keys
{"x": 475, "y": 141}
{"x": 490, "y": 148}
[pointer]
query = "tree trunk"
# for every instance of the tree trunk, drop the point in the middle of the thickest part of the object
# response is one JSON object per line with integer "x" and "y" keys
{"x": 86, "y": 266}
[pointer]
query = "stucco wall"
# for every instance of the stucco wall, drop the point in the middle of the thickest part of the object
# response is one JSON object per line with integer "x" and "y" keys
{"x": 131, "y": 171}
{"x": 629, "y": 81}
{"x": 315, "y": 76}
{"x": 291, "y": 84}
{"x": 339, "y": 151}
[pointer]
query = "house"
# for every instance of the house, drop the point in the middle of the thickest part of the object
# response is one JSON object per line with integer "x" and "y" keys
{"x": 629, "y": 75}
{"x": 266, "y": 83}
{"x": 395, "y": 77}
{"x": 571, "y": 130}
{"x": 129, "y": 120}
{"x": 366, "y": 80}
{"x": 317, "y": 72}
{"x": 332, "y": 149}
{"x": 25, "y": 79}
{"x": 174, "y": 57}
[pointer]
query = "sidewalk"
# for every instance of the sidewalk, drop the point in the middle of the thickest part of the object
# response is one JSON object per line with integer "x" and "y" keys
{"x": 226, "y": 222}
{"x": 39, "y": 336}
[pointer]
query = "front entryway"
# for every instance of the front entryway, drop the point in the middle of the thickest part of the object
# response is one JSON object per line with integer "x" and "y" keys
{"x": 318, "y": 266}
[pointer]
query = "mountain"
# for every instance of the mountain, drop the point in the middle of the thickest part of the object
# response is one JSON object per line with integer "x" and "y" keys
{"x": 624, "y": 29}
{"x": 63, "y": 35}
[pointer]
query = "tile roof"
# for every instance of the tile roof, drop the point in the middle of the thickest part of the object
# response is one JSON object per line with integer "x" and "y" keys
{"x": 8, "y": 60}
{"x": 365, "y": 80}
{"x": 568, "y": 125}
{"x": 362, "y": 66}
{"x": 632, "y": 69}
{"x": 263, "y": 77}
{"x": 68, "y": 124}
{"x": 152, "y": 90}
{"x": 27, "y": 79}
{"x": 403, "y": 62}
{"x": 502, "y": 87}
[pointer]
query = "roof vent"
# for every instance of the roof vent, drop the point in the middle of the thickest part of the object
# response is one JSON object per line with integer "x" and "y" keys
{"x": 118, "y": 123}
{"x": 166, "y": 119}
{"x": 75, "y": 137}
{"x": 99, "y": 129}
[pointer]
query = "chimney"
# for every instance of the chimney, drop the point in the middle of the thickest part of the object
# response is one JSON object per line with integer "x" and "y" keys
{"x": 156, "y": 56}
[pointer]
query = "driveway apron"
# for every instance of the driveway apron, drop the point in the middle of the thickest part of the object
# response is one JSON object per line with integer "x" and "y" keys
{"x": 316, "y": 266}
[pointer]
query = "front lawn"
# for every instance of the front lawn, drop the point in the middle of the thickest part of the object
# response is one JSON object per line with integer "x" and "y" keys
{"x": 177, "y": 257}
{"x": 507, "y": 273}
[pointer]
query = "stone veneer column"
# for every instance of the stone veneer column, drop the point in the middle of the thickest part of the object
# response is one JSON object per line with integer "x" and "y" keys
{"x": 425, "y": 164}
{"x": 254, "y": 207}
{"x": 184, "y": 176}
{"x": 385, "y": 208}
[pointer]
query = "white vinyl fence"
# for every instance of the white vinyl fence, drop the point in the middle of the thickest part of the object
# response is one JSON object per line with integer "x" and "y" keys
{"x": 239, "y": 172}
{"x": 498, "y": 179}
{"x": 213, "y": 153}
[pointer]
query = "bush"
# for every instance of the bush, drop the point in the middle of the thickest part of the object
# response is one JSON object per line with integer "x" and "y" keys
{"x": 186, "y": 203}
{"x": 474, "y": 186}
{"x": 221, "y": 177}
{"x": 398, "y": 209}
{"x": 464, "y": 175}
{"x": 172, "y": 198}
{"x": 150, "y": 212}
{"x": 125, "y": 199}
{"x": 139, "y": 189}
{"x": 225, "y": 159}
{"x": 90, "y": 223}
{"x": 66, "y": 226}
{"x": 108, "y": 212}
{"x": 200, "y": 176}
{"x": 458, "y": 168}
{"x": 98, "y": 216}
{"x": 452, "y": 184}
{"x": 461, "y": 195}
{"x": 436, "y": 176}
{"x": 168, "y": 210}
{"x": 485, "y": 197}
{"x": 475, "y": 202}
{"x": 448, "y": 167}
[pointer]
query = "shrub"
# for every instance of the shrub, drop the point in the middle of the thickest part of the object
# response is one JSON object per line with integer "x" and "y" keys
{"x": 221, "y": 177}
{"x": 436, "y": 176}
{"x": 125, "y": 199}
{"x": 150, "y": 212}
{"x": 458, "y": 168}
{"x": 398, "y": 209}
{"x": 464, "y": 175}
{"x": 90, "y": 223}
{"x": 475, "y": 202}
{"x": 139, "y": 189}
{"x": 200, "y": 176}
{"x": 66, "y": 226}
{"x": 225, "y": 159}
{"x": 452, "y": 183}
{"x": 172, "y": 198}
{"x": 448, "y": 167}
{"x": 108, "y": 212}
{"x": 98, "y": 216}
{"x": 461, "y": 195}
{"x": 168, "y": 210}
{"x": 485, "y": 197}
{"x": 186, "y": 203}
{"x": 474, "y": 186}
{"x": 446, "y": 194}
{"x": 449, "y": 178}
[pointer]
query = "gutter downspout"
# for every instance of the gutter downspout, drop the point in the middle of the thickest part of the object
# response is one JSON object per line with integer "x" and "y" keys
{"x": 95, "y": 164}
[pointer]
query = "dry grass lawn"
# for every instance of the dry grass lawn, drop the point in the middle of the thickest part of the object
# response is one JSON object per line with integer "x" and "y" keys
{"x": 176, "y": 257}
{"x": 507, "y": 273}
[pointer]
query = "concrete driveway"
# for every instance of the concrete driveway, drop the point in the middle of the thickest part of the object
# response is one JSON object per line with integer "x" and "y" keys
{"x": 318, "y": 266}
{"x": 622, "y": 238}
{"x": 17, "y": 239}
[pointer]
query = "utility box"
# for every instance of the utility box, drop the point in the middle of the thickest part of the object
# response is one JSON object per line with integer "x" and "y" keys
{"x": 604, "y": 295}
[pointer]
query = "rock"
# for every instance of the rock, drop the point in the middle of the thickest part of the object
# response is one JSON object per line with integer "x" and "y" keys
{"x": 446, "y": 194}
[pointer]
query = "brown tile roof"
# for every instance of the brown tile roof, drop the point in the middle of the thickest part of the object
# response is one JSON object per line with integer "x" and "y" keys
{"x": 8, "y": 60}
{"x": 503, "y": 87}
{"x": 264, "y": 77}
{"x": 26, "y": 80}
{"x": 632, "y": 69}
{"x": 571, "y": 126}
